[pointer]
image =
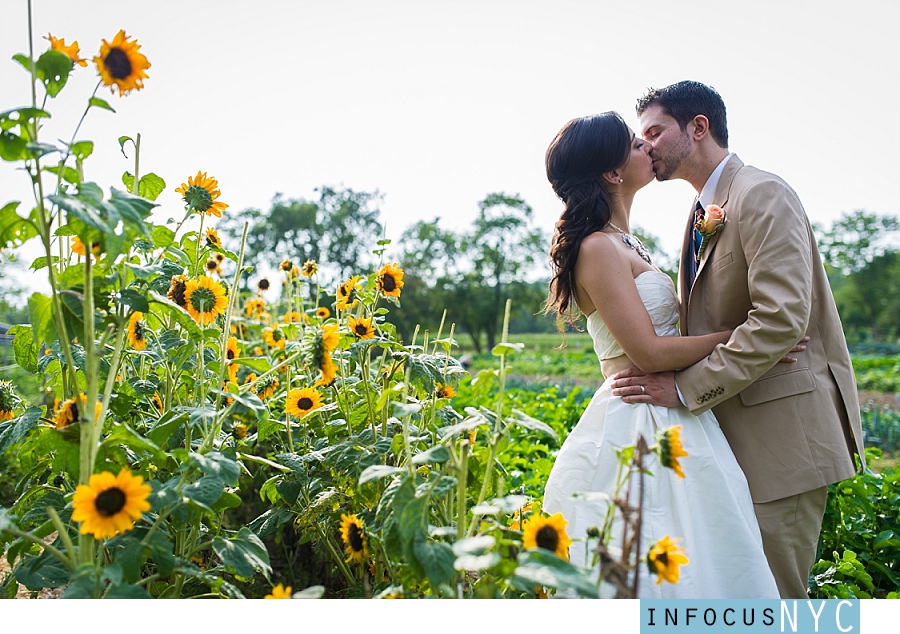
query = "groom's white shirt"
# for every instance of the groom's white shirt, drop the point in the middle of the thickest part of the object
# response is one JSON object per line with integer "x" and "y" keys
{"x": 706, "y": 198}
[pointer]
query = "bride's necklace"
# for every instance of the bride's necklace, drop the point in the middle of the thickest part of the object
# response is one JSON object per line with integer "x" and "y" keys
{"x": 633, "y": 243}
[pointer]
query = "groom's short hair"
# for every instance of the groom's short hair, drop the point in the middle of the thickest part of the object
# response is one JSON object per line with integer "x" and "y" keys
{"x": 684, "y": 101}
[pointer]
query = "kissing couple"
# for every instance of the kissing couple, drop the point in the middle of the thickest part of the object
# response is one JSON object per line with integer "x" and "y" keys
{"x": 765, "y": 433}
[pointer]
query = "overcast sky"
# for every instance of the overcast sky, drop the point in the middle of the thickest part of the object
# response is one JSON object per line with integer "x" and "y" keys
{"x": 436, "y": 104}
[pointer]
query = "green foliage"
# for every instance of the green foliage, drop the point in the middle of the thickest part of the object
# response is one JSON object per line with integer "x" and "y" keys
{"x": 859, "y": 546}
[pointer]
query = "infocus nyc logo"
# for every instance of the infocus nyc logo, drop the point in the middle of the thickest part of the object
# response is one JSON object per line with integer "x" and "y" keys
{"x": 834, "y": 616}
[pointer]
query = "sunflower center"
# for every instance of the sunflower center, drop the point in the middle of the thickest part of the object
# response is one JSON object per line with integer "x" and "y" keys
{"x": 305, "y": 403}
{"x": 212, "y": 265}
{"x": 360, "y": 329}
{"x": 354, "y": 537}
{"x": 203, "y": 300}
{"x": 264, "y": 284}
{"x": 388, "y": 282}
{"x": 230, "y": 354}
{"x": 198, "y": 198}
{"x": 663, "y": 558}
{"x": 277, "y": 335}
{"x": 110, "y": 502}
{"x": 139, "y": 330}
{"x": 547, "y": 538}
{"x": 118, "y": 64}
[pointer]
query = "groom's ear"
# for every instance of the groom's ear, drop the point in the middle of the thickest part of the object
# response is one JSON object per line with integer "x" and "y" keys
{"x": 700, "y": 127}
{"x": 613, "y": 177}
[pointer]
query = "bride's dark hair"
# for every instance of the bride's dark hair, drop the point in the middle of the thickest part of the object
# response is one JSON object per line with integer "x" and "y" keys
{"x": 584, "y": 150}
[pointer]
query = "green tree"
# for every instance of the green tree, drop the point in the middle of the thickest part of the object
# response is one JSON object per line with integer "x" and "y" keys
{"x": 339, "y": 231}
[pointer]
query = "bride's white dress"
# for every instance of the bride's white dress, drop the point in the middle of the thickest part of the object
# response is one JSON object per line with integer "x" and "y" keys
{"x": 710, "y": 509}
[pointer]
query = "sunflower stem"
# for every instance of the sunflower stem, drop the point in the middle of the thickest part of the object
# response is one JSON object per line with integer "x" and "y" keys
{"x": 44, "y": 546}
{"x": 342, "y": 565}
{"x": 64, "y": 536}
{"x": 135, "y": 188}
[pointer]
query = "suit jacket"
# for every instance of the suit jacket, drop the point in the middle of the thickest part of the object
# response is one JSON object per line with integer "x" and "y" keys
{"x": 793, "y": 427}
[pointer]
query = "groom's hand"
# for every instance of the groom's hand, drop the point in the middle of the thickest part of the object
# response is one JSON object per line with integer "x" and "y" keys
{"x": 659, "y": 388}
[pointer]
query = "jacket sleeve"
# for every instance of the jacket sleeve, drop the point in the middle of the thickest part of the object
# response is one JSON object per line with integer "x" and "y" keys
{"x": 776, "y": 244}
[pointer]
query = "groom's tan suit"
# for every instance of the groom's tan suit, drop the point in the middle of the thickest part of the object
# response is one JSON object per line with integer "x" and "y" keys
{"x": 793, "y": 427}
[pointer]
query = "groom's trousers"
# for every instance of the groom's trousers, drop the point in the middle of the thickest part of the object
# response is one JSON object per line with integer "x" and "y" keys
{"x": 790, "y": 531}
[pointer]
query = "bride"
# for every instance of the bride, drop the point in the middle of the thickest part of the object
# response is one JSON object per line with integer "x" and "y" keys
{"x": 596, "y": 165}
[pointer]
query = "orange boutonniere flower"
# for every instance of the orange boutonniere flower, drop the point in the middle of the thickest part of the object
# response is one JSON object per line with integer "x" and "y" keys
{"x": 711, "y": 222}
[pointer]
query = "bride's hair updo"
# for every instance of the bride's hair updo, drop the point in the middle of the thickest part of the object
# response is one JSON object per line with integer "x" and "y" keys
{"x": 584, "y": 150}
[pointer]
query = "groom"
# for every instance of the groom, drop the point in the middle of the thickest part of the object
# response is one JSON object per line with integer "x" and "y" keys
{"x": 795, "y": 427}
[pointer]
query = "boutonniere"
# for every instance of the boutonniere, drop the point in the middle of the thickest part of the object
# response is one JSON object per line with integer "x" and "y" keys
{"x": 707, "y": 225}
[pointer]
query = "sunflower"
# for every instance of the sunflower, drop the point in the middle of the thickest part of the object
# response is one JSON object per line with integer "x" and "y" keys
{"x": 110, "y": 504}
{"x": 232, "y": 351}
{"x": 286, "y": 266}
{"x": 240, "y": 431}
{"x": 201, "y": 194}
{"x": 346, "y": 294}
{"x": 353, "y": 534}
{"x": 362, "y": 328}
{"x": 78, "y": 247}
{"x": 8, "y": 400}
{"x": 255, "y": 307}
{"x": 390, "y": 281}
{"x": 301, "y": 402}
{"x": 323, "y": 313}
{"x": 213, "y": 239}
{"x": 670, "y": 449}
{"x": 330, "y": 337}
{"x": 263, "y": 284}
{"x": 205, "y": 299}
{"x": 516, "y": 523}
{"x": 121, "y": 65}
{"x": 279, "y": 592}
{"x": 295, "y": 272}
{"x": 137, "y": 331}
{"x": 548, "y": 533}
{"x": 443, "y": 390}
{"x": 70, "y": 411}
{"x": 265, "y": 388}
{"x": 177, "y": 288}
{"x": 309, "y": 268}
{"x": 292, "y": 317}
{"x": 71, "y": 51}
{"x": 274, "y": 336}
{"x": 212, "y": 266}
{"x": 157, "y": 401}
{"x": 329, "y": 371}
{"x": 664, "y": 558}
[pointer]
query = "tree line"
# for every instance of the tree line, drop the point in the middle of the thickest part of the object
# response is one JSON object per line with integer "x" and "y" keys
{"x": 503, "y": 254}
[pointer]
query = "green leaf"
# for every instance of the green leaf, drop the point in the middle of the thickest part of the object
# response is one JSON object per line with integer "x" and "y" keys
{"x": 217, "y": 464}
{"x": 134, "y": 211}
{"x": 12, "y": 147}
{"x": 507, "y": 348}
{"x": 126, "y": 591}
{"x": 43, "y": 571}
{"x": 524, "y": 420}
{"x": 38, "y": 150}
{"x": 149, "y": 187}
{"x": 124, "y": 435}
{"x": 228, "y": 500}
{"x": 474, "y": 545}
{"x": 52, "y": 69}
{"x": 134, "y": 299}
{"x": 24, "y": 347}
{"x": 14, "y": 229}
{"x": 540, "y": 567}
{"x": 69, "y": 174}
{"x": 162, "y": 237}
{"x": 257, "y": 364}
{"x": 436, "y": 558}
{"x": 96, "y": 102}
{"x": 82, "y": 149}
{"x": 437, "y": 454}
{"x": 40, "y": 312}
{"x": 205, "y": 492}
{"x": 13, "y": 431}
{"x": 244, "y": 553}
{"x": 378, "y": 471}
{"x": 167, "y": 306}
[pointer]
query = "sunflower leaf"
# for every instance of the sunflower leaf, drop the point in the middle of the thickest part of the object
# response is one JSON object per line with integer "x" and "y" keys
{"x": 244, "y": 553}
{"x": 53, "y": 68}
{"x": 217, "y": 464}
{"x": 14, "y": 229}
{"x": 11, "y": 432}
{"x": 543, "y": 568}
{"x": 436, "y": 558}
{"x": 438, "y": 454}
{"x": 378, "y": 471}
{"x": 181, "y": 315}
{"x": 43, "y": 571}
{"x": 205, "y": 492}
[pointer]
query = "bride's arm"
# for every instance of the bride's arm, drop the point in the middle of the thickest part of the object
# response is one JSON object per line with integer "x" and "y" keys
{"x": 604, "y": 275}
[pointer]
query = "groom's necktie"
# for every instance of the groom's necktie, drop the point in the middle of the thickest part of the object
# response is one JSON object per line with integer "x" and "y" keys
{"x": 695, "y": 247}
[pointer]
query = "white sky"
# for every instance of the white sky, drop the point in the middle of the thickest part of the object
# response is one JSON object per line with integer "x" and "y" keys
{"x": 436, "y": 104}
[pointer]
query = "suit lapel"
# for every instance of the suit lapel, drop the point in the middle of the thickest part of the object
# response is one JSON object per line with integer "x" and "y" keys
{"x": 720, "y": 198}
{"x": 683, "y": 288}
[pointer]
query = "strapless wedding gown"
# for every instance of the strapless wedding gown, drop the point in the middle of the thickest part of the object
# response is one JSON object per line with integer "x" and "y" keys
{"x": 710, "y": 509}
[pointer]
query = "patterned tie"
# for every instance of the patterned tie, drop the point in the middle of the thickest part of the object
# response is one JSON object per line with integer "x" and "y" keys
{"x": 695, "y": 248}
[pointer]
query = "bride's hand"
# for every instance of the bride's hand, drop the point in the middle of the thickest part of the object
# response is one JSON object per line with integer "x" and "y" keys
{"x": 798, "y": 348}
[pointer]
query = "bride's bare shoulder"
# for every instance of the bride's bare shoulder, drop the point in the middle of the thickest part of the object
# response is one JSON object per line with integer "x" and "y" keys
{"x": 597, "y": 244}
